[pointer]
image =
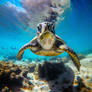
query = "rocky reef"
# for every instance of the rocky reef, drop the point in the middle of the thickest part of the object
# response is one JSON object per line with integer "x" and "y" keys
{"x": 13, "y": 78}
{"x": 47, "y": 76}
{"x": 59, "y": 77}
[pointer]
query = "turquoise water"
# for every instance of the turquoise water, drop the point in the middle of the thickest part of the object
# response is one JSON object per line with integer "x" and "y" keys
{"x": 75, "y": 29}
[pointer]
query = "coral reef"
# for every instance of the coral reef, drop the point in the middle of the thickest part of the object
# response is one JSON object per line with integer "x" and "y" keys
{"x": 47, "y": 76}
{"x": 13, "y": 77}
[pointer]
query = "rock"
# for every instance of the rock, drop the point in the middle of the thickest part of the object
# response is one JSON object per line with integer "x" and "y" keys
{"x": 59, "y": 77}
{"x": 86, "y": 62}
{"x": 81, "y": 56}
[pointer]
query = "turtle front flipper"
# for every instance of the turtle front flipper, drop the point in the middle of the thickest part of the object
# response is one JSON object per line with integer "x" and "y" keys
{"x": 72, "y": 54}
{"x": 21, "y": 51}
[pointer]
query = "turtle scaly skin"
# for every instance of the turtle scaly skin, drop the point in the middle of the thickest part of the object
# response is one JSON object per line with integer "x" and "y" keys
{"x": 47, "y": 43}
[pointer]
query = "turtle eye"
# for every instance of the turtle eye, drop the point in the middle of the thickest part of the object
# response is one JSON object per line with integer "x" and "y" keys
{"x": 39, "y": 28}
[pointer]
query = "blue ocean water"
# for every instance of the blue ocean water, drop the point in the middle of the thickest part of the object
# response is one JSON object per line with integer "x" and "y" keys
{"x": 75, "y": 29}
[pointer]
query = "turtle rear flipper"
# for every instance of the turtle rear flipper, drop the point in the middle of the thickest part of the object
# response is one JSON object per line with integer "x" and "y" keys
{"x": 72, "y": 54}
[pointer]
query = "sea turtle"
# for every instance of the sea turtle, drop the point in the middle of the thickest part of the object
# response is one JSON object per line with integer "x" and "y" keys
{"x": 47, "y": 43}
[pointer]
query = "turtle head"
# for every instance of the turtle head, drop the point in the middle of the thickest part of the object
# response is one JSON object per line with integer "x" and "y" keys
{"x": 46, "y": 34}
